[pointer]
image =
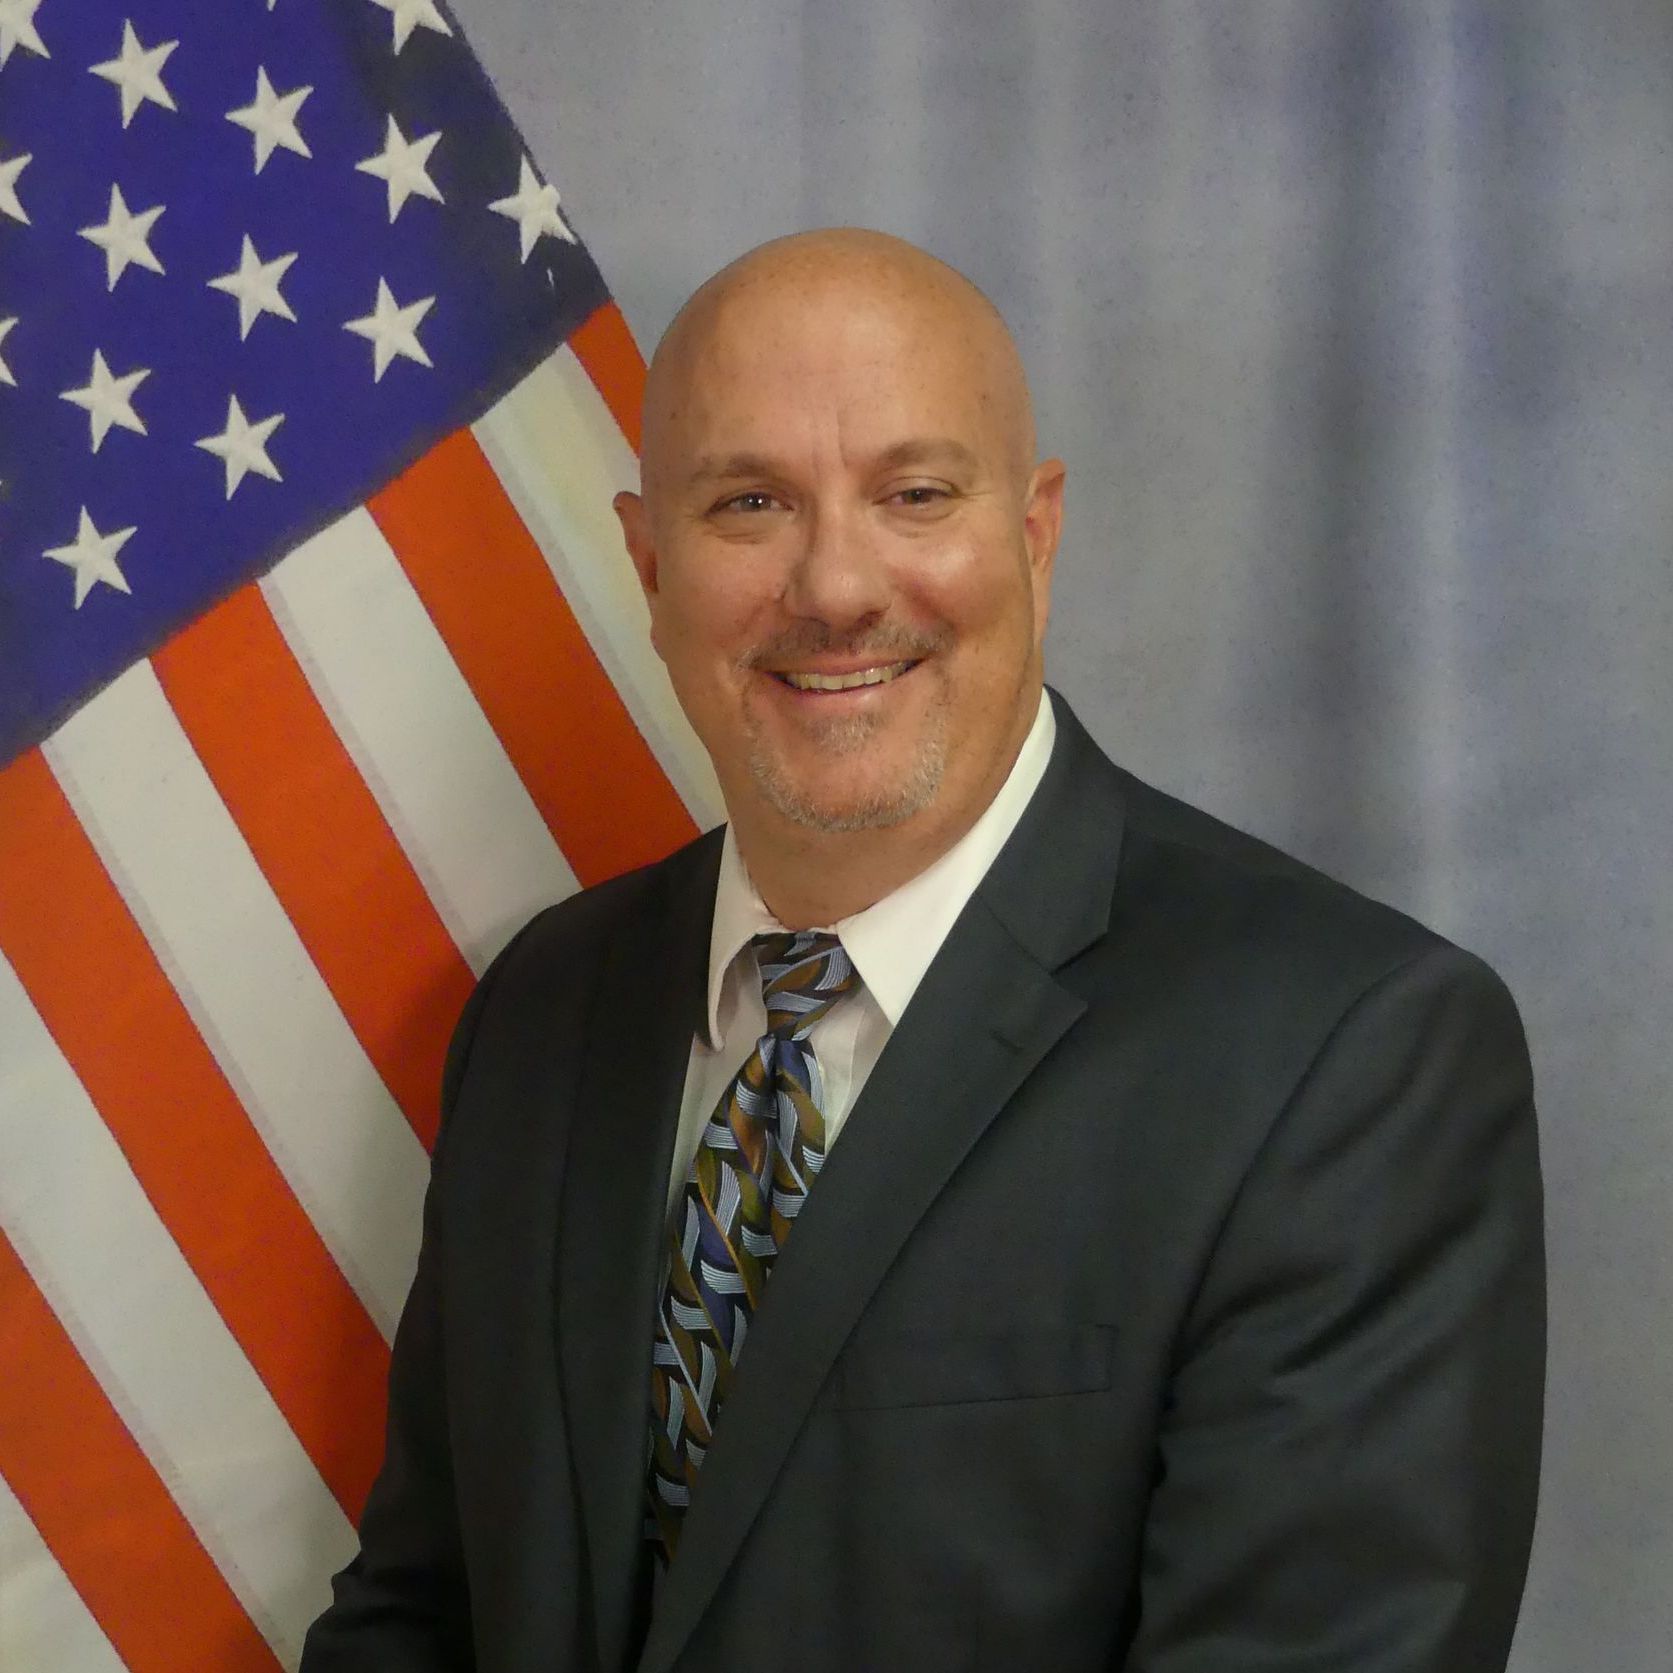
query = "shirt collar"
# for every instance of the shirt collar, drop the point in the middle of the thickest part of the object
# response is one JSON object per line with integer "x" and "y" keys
{"x": 892, "y": 941}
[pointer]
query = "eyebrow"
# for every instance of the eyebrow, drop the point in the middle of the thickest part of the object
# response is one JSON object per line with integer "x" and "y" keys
{"x": 928, "y": 450}
{"x": 724, "y": 467}
{"x": 915, "y": 450}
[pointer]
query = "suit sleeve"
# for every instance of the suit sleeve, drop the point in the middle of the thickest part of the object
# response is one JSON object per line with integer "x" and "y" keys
{"x": 1349, "y": 1452}
{"x": 402, "y": 1605}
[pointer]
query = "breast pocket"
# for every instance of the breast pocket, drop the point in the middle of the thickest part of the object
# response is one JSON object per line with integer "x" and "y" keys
{"x": 932, "y": 1368}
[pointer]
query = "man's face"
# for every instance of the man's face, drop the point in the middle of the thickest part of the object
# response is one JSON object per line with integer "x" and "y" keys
{"x": 847, "y": 558}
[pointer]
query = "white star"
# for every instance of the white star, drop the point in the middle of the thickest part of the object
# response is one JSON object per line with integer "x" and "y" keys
{"x": 400, "y": 165}
{"x": 408, "y": 14}
{"x": 93, "y": 557}
{"x": 534, "y": 207}
{"x": 125, "y": 238}
{"x": 271, "y": 117}
{"x": 108, "y": 400}
{"x": 138, "y": 73}
{"x": 17, "y": 28}
{"x": 5, "y": 370}
{"x": 256, "y": 285}
{"x": 9, "y": 171}
{"x": 392, "y": 330}
{"x": 243, "y": 445}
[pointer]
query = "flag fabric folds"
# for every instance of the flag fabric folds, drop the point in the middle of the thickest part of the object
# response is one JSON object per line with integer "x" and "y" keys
{"x": 321, "y": 667}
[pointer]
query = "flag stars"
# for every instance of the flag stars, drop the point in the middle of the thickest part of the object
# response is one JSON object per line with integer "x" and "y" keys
{"x": 125, "y": 238}
{"x": 17, "y": 28}
{"x": 93, "y": 558}
{"x": 392, "y": 330}
{"x": 5, "y": 370}
{"x": 534, "y": 207}
{"x": 108, "y": 400}
{"x": 409, "y": 15}
{"x": 401, "y": 165}
{"x": 242, "y": 446}
{"x": 271, "y": 118}
{"x": 10, "y": 170}
{"x": 255, "y": 283}
{"x": 138, "y": 73}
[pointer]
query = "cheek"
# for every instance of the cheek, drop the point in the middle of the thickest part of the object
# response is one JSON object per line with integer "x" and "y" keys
{"x": 708, "y": 618}
{"x": 950, "y": 583}
{"x": 989, "y": 603}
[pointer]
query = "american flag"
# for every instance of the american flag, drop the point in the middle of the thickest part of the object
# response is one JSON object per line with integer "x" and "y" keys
{"x": 321, "y": 667}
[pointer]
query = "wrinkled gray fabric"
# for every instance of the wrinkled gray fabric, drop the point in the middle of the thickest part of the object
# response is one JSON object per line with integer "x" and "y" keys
{"x": 1353, "y": 324}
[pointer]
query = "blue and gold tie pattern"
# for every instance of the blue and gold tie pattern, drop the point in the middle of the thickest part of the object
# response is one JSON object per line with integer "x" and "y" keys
{"x": 759, "y": 1154}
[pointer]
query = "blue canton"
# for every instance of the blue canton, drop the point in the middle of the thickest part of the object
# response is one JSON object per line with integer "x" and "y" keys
{"x": 255, "y": 258}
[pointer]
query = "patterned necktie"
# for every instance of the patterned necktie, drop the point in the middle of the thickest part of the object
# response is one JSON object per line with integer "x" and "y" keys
{"x": 759, "y": 1154}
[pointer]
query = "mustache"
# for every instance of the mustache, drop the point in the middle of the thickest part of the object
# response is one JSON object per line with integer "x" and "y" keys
{"x": 888, "y": 643}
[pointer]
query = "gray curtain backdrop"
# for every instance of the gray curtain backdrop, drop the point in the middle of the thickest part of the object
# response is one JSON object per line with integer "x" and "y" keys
{"x": 1352, "y": 323}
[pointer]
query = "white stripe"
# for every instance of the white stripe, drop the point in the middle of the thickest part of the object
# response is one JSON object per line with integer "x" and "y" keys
{"x": 731, "y": 1197}
{"x": 561, "y": 460}
{"x": 43, "y": 1622}
{"x": 185, "y": 872}
{"x": 721, "y": 1281}
{"x": 687, "y": 1317}
{"x": 139, "y": 1318}
{"x": 412, "y": 727}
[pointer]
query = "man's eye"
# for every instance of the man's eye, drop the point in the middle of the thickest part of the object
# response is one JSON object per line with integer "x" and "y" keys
{"x": 919, "y": 494}
{"x": 756, "y": 499}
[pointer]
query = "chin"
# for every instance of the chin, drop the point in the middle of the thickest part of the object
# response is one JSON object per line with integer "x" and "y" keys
{"x": 822, "y": 802}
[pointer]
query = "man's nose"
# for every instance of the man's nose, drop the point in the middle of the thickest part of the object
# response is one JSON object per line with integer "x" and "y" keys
{"x": 837, "y": 575}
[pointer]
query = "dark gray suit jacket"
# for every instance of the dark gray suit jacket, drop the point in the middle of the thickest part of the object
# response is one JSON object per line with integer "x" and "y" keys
{"x": 1173, "y": 1301}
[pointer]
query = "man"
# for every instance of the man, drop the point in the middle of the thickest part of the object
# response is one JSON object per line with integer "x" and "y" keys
{"x": 1152, "y": 1225}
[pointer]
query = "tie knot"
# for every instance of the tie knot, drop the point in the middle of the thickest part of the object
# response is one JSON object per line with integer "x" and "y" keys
{"x": 802, "y": 977}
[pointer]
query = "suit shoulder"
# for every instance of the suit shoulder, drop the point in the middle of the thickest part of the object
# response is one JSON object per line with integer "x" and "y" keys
{"x": 540, "y": 983}
{"x": 1217, "y": 885}
{"x": 1256, "y": 958}
{"x": 586, "y": 921}
{"x": 555, "y": 954}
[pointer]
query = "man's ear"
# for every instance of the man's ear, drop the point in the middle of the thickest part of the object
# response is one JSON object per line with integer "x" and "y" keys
{"x": 1042, "y": 523}
{"x": 636, "y": 531}
{"x": 1042, "y": 514}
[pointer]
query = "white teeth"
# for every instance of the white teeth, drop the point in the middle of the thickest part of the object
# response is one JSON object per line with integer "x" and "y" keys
{"x": 846, "y": 682}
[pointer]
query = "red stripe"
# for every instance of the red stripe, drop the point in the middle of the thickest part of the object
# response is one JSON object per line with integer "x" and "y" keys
{"x": 605, "y": 347}
{"x": 102, "y": 1509}
{"x": 89, "y": 972}
{"x": 322, "y": 843}
{"x": 509, "y": 628}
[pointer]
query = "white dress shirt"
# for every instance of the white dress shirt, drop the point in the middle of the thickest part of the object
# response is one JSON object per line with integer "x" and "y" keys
{"x": 891, "y": 944}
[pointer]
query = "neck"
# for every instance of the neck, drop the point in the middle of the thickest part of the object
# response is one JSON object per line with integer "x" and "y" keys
{"x": 808, "y": 877}
{"x": 825, "y": 878}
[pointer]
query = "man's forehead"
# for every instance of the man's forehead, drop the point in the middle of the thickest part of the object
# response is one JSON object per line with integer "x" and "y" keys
{"x": 926, "y": 452}
{"x": 765, "y": 409}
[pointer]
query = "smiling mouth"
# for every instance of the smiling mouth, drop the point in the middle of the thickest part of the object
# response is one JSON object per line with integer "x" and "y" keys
{"x": 881, "y": 675}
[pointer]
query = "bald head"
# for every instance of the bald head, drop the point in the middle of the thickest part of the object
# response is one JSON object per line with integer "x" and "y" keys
{"x": 814, "y": 295}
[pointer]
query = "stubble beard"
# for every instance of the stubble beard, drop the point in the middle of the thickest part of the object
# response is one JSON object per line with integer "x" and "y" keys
{"x": 845, "y": 739}
{"x": 876, "y": 810}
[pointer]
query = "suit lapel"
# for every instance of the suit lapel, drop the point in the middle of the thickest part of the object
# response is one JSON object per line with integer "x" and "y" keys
{"x": 649, "y": 1002}
{"x": 988, "y": 1009}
